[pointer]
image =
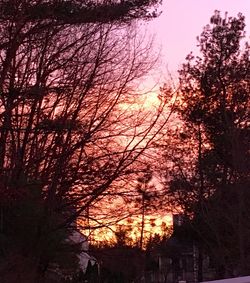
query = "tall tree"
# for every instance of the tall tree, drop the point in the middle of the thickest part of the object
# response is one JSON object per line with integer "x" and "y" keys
{"x": 67, "y": 76}
{"x": 214, "y": 104}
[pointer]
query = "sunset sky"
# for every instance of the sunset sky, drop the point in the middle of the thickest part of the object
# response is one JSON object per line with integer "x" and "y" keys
{"x": 182, "y": 21}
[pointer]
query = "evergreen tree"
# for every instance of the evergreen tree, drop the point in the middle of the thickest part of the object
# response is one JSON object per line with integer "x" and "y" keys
{"x": 214, "y": 107}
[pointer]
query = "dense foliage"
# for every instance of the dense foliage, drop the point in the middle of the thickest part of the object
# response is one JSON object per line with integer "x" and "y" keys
{"x": 211, "y": 181}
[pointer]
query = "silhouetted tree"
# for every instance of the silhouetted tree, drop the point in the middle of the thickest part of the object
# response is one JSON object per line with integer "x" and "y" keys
{"x": 213, "y": 105}
{"x": 67, "y": 76}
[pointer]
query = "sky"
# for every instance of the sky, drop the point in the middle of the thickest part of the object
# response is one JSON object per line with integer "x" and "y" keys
{"x": 182, "y": 21}
{"x": 175, "y": 32}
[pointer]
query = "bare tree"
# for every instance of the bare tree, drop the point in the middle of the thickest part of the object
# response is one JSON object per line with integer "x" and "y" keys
{"x": 65, "y": 85}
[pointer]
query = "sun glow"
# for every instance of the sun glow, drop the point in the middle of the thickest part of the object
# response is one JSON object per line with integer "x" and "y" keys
{"x": 131, "y": 229}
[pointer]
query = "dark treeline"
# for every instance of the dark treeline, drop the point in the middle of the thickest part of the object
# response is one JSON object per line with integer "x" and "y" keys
{"x": 69, "y": 141}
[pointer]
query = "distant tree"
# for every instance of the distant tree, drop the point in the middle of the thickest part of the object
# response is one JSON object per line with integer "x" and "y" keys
{"x": 145, "y": 195}
{"x": 122, "y": 237}
{"x": 214, "y": 108}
